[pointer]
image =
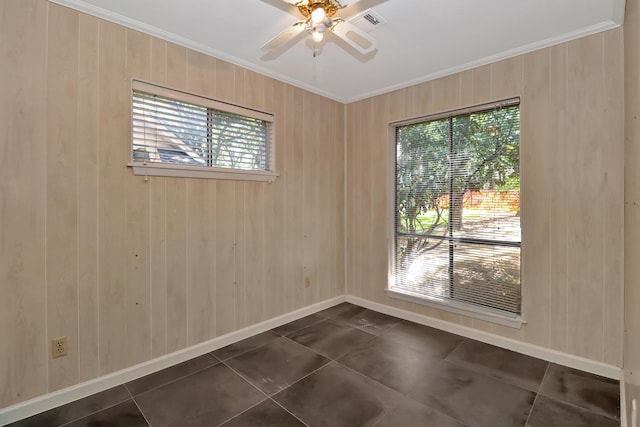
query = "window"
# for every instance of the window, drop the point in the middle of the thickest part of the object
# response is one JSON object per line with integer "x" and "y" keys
{"x": 179, "y": 134}
{"x": 457, "y": 211}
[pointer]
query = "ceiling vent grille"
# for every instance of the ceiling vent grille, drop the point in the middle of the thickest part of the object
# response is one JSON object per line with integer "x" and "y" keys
{"x": 368, "y": 20}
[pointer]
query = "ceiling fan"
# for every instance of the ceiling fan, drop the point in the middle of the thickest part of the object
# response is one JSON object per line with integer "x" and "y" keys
{"x": 320, "y": 19}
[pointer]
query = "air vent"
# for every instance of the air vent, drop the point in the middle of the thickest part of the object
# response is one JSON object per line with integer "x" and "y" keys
{"x": 368, "y": 20}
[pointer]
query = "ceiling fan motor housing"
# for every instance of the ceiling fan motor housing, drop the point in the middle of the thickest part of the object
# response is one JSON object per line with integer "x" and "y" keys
{"x": 307, "y": 7}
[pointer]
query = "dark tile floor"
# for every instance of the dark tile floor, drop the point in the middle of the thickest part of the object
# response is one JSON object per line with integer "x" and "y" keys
{"x": 349, "y": 366}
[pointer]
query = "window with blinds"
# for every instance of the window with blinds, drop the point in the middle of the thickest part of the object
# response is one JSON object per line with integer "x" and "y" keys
{"x": 457, "y": 209}
{"x": 180, "y": 134}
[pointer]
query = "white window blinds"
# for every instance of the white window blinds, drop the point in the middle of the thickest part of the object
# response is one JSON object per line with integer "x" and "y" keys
{"x": 183, "y": 130}
{"x": 457, "y": 214}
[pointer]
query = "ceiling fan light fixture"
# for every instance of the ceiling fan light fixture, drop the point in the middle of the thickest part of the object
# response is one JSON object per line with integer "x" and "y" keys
{"x": 317, "y": 36}
{"x": 318, "y": 15}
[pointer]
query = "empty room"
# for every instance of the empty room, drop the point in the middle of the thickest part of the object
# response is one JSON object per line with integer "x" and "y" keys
{"x": 319, "y": 213}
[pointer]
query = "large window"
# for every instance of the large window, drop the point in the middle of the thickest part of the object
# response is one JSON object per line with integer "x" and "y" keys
{"x": 180, "y": 134}
{"x": 457, "y": 210}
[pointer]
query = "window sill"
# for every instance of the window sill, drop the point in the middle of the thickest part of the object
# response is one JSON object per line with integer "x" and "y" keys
{"x": 456, "y": 307}
{"x": 158, "y": 169}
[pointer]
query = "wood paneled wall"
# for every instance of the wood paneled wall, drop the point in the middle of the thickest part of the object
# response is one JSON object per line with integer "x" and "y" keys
{"x": 130, "y": 269}
{"x": 632, "y": 204}
{"x": 572, "y": 156}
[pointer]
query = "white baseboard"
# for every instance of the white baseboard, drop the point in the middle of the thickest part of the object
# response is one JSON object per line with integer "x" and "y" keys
{"x": 79, "y": 391}
{"x": 587, "y": 365}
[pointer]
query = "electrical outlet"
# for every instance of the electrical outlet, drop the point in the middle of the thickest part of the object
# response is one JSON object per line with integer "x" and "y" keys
{"x": 58, "y": 347}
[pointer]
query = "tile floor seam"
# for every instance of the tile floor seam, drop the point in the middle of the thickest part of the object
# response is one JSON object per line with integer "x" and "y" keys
{"x": 94, "y": 412}
{"x": 485, "y": 375}
{"x": 573, "y": 405}
{"x": 242, "y": 412}
{"x": 405, "y": 395}
{"x": 247, "y": 380}
{"x": 455, "y": 348}
{"x": 311, "y": 349}
{"x": 535, "y": 399}
{"x": 289, "y": 412}
{"x": 303, "y": 377}
{"x": 380, "y": 383}
{"x": 322, "y": 319}
{"x": 248, "y": 350}
{"x": 373, "y": 337}
{"x": 546, "y": 371}
{"x": 172, "y": 381}
{"x": 141, "y": 412}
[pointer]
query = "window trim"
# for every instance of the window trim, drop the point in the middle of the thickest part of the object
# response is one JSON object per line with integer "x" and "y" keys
{"x": 144, "y": 168}
{"x": 449, "y": 305}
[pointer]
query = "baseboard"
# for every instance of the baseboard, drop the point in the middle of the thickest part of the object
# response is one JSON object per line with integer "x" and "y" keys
{"x": 61, "y": 397}
{"x": 554, "y": 356}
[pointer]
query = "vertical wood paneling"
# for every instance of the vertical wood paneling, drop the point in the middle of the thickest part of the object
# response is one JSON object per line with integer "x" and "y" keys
{"x": 294, "y": 210}
{"x": 23, "y": 363}
{"x": 239, "y": 255}
{"x": 225, "y": 219}
{"x": 113, "y": 104}
{"x": 254, "y": 253}
{"x": 422, "y": 99}
{"x": 88, "y": 125}
{"x": 310, "y": 220}
{"x": 176, "y": 225}
{"x": 585, "y": 234}
{"x": 275, "y": 226}
{"x": 255, "y": 220}
{"x": 354, "y": 202}
{"x": 482, "y": 83}
{"x": 379, "y": 198}
{"x": 62, "y": 194}
{"x": 340, "y": 235}
{"x": 558, "y": 201}
{"x": 536, "y": 152}
{"x": 225, "y": 81}
{"x": 137, "y": 208}
{"x": 613, "y": 219}
{"x": 200, "y": 260}
{"x": 324, "y": 153}
{"x": 158, "y": 226}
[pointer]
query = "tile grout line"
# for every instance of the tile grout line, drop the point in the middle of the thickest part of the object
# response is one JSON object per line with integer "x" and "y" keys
{"x": 248, "y": 350}
{"x": 94, "y": 412}
{"x": 243, "y": 411}
{"x": 135, "y": 402}
{"x": 289, "y": 412}
{"x": 216, "y": 360}
{"x": 571, "y": 404}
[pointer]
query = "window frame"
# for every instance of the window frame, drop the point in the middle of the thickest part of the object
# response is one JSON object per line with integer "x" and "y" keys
{"x": 449, "y": 305}
{"x": 144, "y": 168}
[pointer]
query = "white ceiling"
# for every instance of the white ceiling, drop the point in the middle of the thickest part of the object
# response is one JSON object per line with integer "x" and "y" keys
{"x": 422, "y": 40}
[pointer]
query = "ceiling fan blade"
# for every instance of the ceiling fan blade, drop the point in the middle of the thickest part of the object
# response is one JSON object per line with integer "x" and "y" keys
{"x": 284, "y": 36}
{"x": 354, "y": 36}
